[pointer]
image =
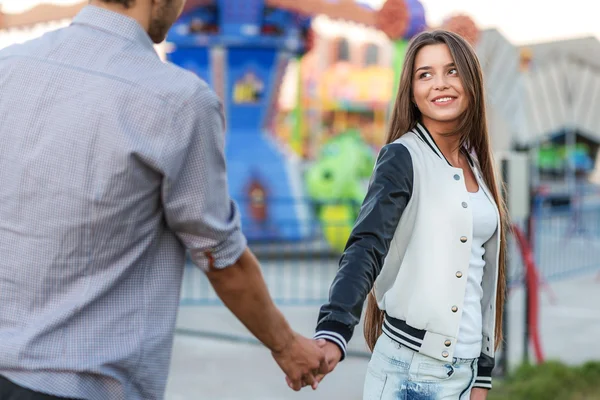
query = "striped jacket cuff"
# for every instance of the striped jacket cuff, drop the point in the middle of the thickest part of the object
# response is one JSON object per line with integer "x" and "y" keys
{"x": 335, "y": 332}
{"x": 334, "y": 338}
{"x": 484, "y": 378}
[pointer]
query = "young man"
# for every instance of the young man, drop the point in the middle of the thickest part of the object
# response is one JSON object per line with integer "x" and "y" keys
{"x": 111, "y": 166}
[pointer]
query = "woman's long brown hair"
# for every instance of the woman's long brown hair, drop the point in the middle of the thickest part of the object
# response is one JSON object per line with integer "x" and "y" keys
{"x": 473, "y": 133}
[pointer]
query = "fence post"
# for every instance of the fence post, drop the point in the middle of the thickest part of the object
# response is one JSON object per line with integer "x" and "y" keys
{"x": 516, "y": 192}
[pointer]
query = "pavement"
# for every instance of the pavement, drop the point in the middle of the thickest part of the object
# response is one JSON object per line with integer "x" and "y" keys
{"x": 215, "y": 358}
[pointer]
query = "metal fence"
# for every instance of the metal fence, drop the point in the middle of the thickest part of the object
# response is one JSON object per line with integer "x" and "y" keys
{"x": 566, "y": 242}
{"x": 297, "y": 274}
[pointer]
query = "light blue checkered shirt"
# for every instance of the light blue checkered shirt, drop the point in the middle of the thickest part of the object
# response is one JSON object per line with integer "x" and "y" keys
{"x": 111, "y": 164}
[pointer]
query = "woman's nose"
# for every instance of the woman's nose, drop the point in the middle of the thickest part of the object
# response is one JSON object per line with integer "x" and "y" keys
{"x": 440, "y": 82}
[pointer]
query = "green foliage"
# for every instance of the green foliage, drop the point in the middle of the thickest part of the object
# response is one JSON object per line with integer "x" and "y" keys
{"x": 550, "y": 381}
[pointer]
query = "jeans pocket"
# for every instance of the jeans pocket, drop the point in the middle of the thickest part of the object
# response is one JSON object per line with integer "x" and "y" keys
{"x": 374, "y": 383}
{"x": 434, "y": 372}
{"x": 393, "y": 353}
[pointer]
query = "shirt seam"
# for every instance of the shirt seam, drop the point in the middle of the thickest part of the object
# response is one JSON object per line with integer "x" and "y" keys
{"x": 165, "y": 99}
{"x": 117, "y": 34}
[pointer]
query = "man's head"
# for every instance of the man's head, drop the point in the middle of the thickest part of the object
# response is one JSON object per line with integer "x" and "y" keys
{"x": 156, "y": 16}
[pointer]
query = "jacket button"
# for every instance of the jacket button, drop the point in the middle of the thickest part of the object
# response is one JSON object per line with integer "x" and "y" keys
{"x": 445, "y": 354}
{"x": 464, "y": 204}
{"x": 447, "y": 343}
{"x": 463, "y": 239}
{"x": 454, "y": 309}
{"x": 458, "y": 274}
{"x": 456, "y": 177}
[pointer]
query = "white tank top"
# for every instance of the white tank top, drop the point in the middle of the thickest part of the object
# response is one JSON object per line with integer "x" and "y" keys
{"x": 484, "y": 225}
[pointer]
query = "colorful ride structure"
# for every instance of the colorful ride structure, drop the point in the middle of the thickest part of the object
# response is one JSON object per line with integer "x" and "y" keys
{"x": 241, "y": 48}
{"x": 335, "y": 184}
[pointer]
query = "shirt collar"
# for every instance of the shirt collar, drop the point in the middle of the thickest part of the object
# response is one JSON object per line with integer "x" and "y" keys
{"x": 115, "y": 23}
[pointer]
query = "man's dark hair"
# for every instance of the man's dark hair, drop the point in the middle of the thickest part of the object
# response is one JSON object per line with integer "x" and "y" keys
{"x": 124, "y": 3}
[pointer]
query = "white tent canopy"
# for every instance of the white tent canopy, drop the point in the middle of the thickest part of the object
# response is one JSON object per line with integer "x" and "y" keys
{"x": 560, "y": 91}
{"x": 562, "y": 95}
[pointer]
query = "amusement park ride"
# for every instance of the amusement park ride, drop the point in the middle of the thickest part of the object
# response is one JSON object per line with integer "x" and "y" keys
{"x": 242, "y": 48}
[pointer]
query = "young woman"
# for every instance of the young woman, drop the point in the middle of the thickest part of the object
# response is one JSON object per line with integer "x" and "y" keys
{"x": 428, "y": 243}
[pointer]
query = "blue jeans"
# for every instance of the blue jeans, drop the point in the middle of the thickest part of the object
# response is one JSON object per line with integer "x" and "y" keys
{"x": 396, "y": 372}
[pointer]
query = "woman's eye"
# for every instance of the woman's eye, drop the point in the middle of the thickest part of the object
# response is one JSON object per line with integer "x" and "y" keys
{"x": 424, "y": 75}
{"x": 453, "y": 71}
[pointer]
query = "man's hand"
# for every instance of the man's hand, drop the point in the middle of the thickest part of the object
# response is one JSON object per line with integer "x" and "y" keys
{"x": 479, "y": 394}
{"x": 301, "y": 360}
{"x": 243, "y": 290}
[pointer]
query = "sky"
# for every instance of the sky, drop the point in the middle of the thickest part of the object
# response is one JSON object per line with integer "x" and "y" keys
{"x": 521, "y": 21}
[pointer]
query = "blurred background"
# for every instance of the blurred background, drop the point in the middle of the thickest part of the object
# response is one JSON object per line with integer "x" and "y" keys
{"x": 307, "y": 87}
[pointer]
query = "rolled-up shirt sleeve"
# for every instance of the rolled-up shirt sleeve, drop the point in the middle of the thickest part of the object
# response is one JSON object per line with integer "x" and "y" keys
{"x": 194, "y": 191}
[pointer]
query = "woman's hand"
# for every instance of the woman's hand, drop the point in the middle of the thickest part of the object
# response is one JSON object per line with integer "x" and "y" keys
{"x": 333, "y": 354}
{"x": 479, "y": 394}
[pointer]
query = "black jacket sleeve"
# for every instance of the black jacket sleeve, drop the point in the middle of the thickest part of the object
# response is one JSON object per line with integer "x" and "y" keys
{"x": 389, "y": 191}
{"x": 485, "y": 365}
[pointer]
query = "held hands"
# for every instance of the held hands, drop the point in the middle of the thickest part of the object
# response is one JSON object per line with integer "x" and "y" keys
{"x": 332, "y": 354}
{"x": 302, "y": 360}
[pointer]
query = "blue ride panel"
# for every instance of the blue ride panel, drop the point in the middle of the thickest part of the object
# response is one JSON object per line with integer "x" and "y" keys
{"x": 253, "y": 156}
{"x": 241, "y": 17}
{"x": 250, "y": 79}
{"x": 195, "y": 59}
{"x": 241, "y": 49}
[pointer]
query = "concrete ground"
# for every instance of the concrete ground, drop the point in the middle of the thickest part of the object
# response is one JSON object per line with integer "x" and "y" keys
{"x": 208, "y": 369}
{"x": 216, "y": 369}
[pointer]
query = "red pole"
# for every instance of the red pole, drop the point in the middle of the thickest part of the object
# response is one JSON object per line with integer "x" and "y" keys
{"x": 532, "y": 281}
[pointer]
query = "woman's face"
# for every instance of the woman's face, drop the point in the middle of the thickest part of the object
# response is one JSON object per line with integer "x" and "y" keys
{"x": 437, "y": 88}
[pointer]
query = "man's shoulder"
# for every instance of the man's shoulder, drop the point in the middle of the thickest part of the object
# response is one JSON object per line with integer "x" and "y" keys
{"x": 177, "y": 85}
{"x": 21, "y": 49}
{"x": 139, "y": 66}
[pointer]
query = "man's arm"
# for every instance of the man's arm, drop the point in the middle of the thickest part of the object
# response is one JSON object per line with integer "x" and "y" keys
{"x": 199, "y": 210}
{"x": 243, "y": 290}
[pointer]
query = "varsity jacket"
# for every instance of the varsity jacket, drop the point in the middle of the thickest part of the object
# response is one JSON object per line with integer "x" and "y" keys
{"x": 412, "y": 243}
